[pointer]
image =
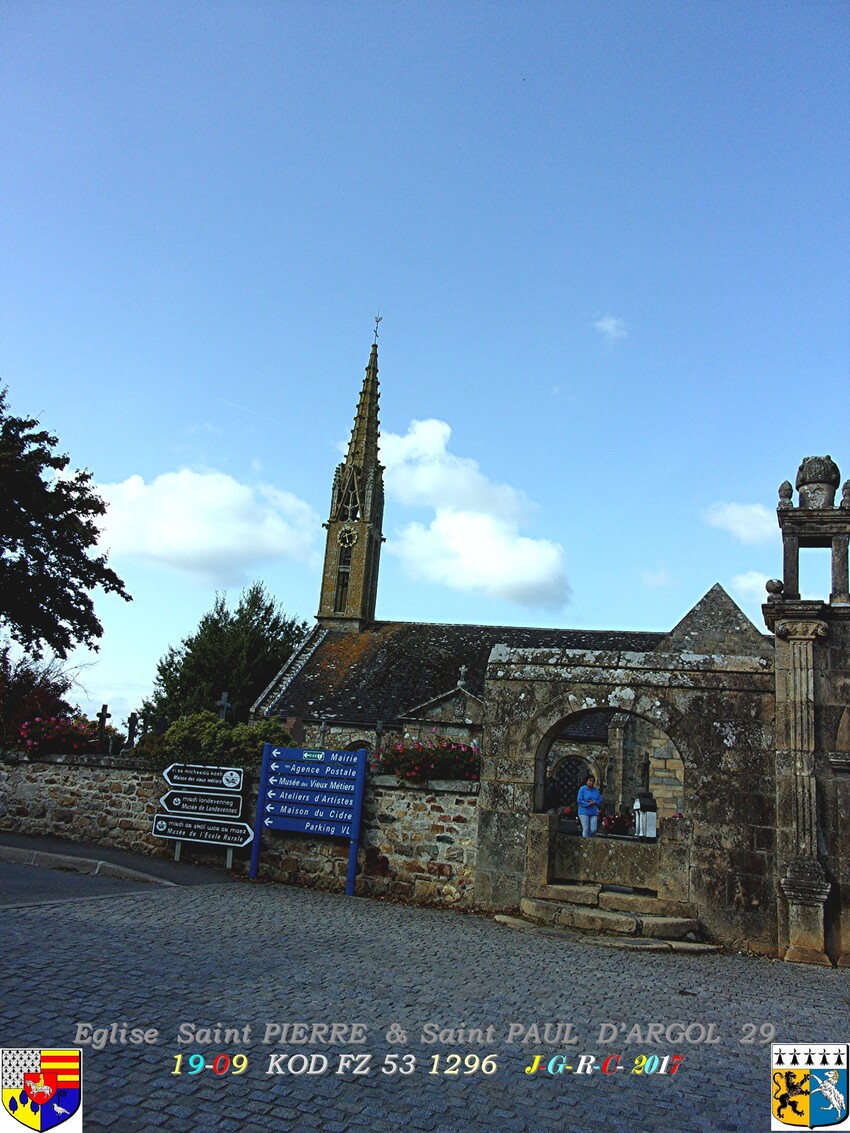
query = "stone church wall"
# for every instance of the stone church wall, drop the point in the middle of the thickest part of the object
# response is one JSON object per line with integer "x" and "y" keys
{"x": 416, "y": 843}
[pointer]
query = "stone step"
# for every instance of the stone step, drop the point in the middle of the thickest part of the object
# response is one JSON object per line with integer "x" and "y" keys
{"x": 614, "y": 940}
{"x": 590, "y": 918}
{"x": 669, "y": 928}
{"x": 640, "y": 904}
{"x": 592, "y": 893}
{"x": 572, "y": 894}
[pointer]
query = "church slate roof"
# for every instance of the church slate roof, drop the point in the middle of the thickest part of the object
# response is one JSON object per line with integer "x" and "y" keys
{"x": 383, "y": 672}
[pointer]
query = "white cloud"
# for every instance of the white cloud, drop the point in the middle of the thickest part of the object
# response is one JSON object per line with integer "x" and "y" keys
{"x": 206, "y": 523}
{"x": 749, "y": 587}
{"x": 421, "y": 471}
{"x": 473, "y": 542}
{"x": 612, "y": 327}
{"x": 659, "y": 579}
{"x": 751, "y": 523}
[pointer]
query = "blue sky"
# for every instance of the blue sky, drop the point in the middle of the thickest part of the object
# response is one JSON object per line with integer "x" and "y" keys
{"x": 609, "y": 243}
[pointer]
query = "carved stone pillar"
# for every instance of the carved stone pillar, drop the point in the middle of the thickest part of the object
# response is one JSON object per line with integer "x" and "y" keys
{"x": 804, "y": 883}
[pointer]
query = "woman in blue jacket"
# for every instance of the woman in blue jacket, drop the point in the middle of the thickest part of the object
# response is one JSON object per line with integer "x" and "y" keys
{"x": 589, "y": 802}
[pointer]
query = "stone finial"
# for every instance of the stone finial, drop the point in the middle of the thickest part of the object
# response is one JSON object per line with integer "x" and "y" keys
{"x": 817, "y": 479}
{"x": 774, "y": 588}
{"x": 785, "y": 495}
{"x": 845, "y": 495}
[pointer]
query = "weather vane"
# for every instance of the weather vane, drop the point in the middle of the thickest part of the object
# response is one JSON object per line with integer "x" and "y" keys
{"x": 378, "y": 319}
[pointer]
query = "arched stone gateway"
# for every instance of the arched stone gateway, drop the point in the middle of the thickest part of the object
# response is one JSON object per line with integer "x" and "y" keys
{"x": 712, "y": 718}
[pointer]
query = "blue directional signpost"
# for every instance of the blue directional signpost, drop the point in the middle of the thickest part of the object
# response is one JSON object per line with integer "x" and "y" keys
{"x": 311, "y": 791}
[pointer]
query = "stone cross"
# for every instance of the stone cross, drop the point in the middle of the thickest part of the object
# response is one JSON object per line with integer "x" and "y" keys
{"x": 222, "y": 705}
{"x": 101, "y": 718}
{"x": 132, "y": 724}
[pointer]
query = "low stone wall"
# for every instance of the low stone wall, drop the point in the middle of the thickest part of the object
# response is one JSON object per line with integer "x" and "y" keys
{"x": 86, "y": 799}
{"x": 416, "y": 843}
{"x": 661, "y": 867}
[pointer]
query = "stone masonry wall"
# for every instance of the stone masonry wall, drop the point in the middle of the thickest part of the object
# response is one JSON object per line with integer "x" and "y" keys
{"x": 95, "y": 801}
{"x": 416, "y": 843}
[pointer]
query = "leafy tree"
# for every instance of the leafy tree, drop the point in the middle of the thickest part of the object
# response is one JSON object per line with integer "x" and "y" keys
{"x": 237, "y": 651}
{"x": 47, "y": 527}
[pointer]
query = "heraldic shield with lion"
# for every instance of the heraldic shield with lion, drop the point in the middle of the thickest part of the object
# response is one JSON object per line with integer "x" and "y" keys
{"x": 41, "y": 1088}
{"x": 809, "y": 1085}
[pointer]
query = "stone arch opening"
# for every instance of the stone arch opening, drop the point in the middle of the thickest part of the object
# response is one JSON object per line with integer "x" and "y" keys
{"x": 628, "y": 753}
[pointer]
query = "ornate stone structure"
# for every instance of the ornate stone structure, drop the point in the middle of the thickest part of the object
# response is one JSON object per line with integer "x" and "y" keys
{"x": 812, "y": 748}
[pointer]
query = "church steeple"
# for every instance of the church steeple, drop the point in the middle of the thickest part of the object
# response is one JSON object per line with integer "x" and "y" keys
{"x": 353, "y": 546}
{"x": 363, "y": 446}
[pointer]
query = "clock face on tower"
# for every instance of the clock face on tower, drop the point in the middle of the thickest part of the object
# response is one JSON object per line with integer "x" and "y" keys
{"x": 347, "y": 536}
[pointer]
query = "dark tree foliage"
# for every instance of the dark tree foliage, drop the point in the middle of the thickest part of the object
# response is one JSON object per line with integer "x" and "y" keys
{"x": 47, "y": 527}
{"x": 29, "y": 689}
{"x": 234, "y": 651}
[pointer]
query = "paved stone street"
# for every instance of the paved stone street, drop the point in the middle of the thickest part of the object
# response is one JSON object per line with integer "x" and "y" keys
{"x": 240, "y": 954}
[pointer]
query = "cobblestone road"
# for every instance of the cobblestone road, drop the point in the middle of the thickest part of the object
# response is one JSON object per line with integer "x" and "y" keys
{"x": 251, "y": 955}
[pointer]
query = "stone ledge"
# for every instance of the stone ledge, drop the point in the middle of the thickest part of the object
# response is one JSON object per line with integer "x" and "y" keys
{"x": 442, "y": 786}
{"x": 118, "y": 762}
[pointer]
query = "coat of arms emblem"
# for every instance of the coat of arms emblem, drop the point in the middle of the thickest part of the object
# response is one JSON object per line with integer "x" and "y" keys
{"x": 809, "y": 1086}
{"x": 41, "y": 1088}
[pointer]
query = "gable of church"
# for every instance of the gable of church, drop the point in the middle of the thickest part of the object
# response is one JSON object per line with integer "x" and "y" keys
{"x": 717, "y": 626}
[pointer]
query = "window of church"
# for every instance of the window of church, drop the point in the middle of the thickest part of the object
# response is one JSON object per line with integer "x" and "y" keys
{"x": 341, "y": 596}
{"x": 349, "y": 509}
{"x": 342, "y": 576}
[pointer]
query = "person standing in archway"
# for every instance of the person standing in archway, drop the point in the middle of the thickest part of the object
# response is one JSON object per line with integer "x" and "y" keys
{"x": 589, "y": 801}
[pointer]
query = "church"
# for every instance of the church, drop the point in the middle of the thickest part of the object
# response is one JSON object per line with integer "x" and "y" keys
{"x": 736, "y": 740}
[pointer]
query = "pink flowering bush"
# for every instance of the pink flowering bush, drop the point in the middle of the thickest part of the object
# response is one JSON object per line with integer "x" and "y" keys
{"x": 56, "y": 734}
{"x": 438, "y": 757}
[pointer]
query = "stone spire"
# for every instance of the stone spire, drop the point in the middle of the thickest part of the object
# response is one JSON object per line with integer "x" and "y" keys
{"x": 363, "y": 446}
